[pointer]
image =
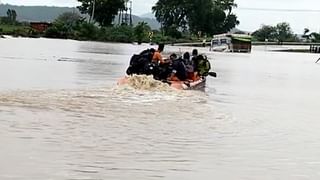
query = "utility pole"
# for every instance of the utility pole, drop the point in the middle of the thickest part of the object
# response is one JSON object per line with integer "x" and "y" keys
{"x": 125, "y": 17}
{"x": 92, "y": 12}
{"x": 130, "y": 13}
{"x": 119, "y": 18}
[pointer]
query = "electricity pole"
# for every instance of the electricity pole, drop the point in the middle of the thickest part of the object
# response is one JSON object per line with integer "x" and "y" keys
{"x": 92, "y": 12}
{"x": 130, "y": 13}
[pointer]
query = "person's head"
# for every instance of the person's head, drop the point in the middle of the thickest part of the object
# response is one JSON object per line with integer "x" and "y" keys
{"x": 195, "y": 52}
{"x": 173, "y": 56}
{"x": 200, "y": 57}
{"x": 152, "y": 50}
{"x": 160, "y": 47}
{"x": 186, "y": 55}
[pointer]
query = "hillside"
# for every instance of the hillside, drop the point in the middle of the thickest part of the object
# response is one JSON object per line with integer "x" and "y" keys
{"x": 49, "y": 14}
{"x": 148, "y": 15}
{"x": 35, "y": 13}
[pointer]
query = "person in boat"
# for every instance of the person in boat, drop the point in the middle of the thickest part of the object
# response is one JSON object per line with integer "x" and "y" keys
{"x": 203, "y": 66}
{"x": 157, "y": 57}
{"x": 194, "y": 63}
{"x": 186, "y": 58}
{"x": 141, "y": 63}
{"x": 178, "y": 69}
{"x": 194, "y": 58}
{"x": 189, "y": 65}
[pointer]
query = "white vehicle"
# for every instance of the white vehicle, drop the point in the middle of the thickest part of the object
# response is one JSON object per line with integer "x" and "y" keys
{"x": 231, "y": 43}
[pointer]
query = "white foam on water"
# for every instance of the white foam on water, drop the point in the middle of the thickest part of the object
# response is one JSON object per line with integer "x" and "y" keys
{"x": 94, "y": 100}
{"x": 144, "y": 82}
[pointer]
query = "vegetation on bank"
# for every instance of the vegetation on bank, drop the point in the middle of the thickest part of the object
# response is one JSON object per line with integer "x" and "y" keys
{"x": 10, "y": 26}
{"x": 282, "y": 32}
{"x": 189, "y": 21}
{"x": 181, "y": 21}
{"x": 71, "y": 25}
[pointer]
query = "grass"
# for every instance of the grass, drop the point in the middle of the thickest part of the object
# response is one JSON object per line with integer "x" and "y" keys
{"x": 16, "y": 30}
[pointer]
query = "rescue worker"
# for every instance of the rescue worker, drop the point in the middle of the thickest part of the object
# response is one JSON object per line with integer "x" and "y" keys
{"x": 157, "y": 57}
{"x": 178, "y": 69}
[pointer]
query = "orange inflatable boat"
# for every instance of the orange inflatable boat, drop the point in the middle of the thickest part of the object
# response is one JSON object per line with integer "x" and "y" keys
{"x": 181, "y": 85}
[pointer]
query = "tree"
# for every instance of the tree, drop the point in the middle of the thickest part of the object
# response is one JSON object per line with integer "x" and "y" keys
{"x": 227, "y": 5}
{"x": 315, "y": 37}
{"x": 266, "y": 32}
{"x": 284, "y": 32}
{"x": 105, "y": 10}
{"x": 65, "y": 25}
{"x": 204, "y": 17}
{"x": 207, "y": 16}
{"x": 141, "y": 31}
{"x": 305, "y": 34}
{"x": 171, "y": 13}
{"x": 306, "y": 31}
{"x": 11, "y": 16}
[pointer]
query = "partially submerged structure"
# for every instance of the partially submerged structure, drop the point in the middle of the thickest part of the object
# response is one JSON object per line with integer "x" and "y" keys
{"x": 231, "y": 43}
{"x": 40, "y": 26}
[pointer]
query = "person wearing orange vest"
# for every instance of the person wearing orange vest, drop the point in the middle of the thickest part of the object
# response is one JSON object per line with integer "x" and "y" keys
{"x": 157, "y": 57}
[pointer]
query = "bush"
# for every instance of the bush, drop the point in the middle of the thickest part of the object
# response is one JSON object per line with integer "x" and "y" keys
{"x": 87, "y": 31}
{"x": 52, "y": 32}
{"x": 141, "y": 32}
{"x": 117, "y": 34}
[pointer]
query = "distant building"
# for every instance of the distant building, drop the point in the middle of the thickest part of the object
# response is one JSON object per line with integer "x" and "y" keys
{"x": 40, "y": 26}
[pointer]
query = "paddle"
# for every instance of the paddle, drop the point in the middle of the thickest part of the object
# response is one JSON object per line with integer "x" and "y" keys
{"x": 318, "y": 60}
{"x": 212, "y": 74}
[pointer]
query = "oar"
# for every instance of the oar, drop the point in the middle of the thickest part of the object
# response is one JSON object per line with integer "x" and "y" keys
{"x": 318, "y": 60}
{"x": 212, "y": 74}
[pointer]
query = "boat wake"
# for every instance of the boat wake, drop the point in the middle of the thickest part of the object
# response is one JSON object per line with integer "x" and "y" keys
{"x": 144, "y": 82}
{"x": 141, "y": 90}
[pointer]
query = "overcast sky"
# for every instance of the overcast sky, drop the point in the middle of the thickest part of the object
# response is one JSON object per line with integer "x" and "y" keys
{"x": 250, "y": 20}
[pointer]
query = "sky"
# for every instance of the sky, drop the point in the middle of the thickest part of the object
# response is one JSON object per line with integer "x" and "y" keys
{"x": 250, "y": 19}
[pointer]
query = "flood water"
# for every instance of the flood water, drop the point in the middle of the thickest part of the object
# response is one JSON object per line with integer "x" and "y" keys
{"x": 63, "y": 117}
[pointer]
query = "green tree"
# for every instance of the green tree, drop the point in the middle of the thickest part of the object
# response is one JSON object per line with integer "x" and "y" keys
{"x": 305, "y": 34}
{"x": 211, "y": 18}
{"x": 11, "y": 16}
{"x": 122, "y": 33}
{"x": 315, "y": 37}
{"x": 87, "y": 31}
{"x": 171, "y": 14}
{"x": 226, "y": 5}
{"x": 284, "y": 32}
{"x": 207, "y": 16}
{"x": 265, "y": 32}
{"x": 141, "y": 31}
{"x": 104, "y": 10}
{"x": 65, "y": 25}
{"x": 306, "y": 31}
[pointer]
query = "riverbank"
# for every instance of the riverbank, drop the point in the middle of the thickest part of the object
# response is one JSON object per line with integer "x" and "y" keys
{"x": 16, "y": 30}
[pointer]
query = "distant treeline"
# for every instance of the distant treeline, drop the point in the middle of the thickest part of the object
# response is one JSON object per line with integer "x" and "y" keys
{"x": 49, "y": 14}
{"x": 35, "y": 13}
{"x": 282, "y": 32}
